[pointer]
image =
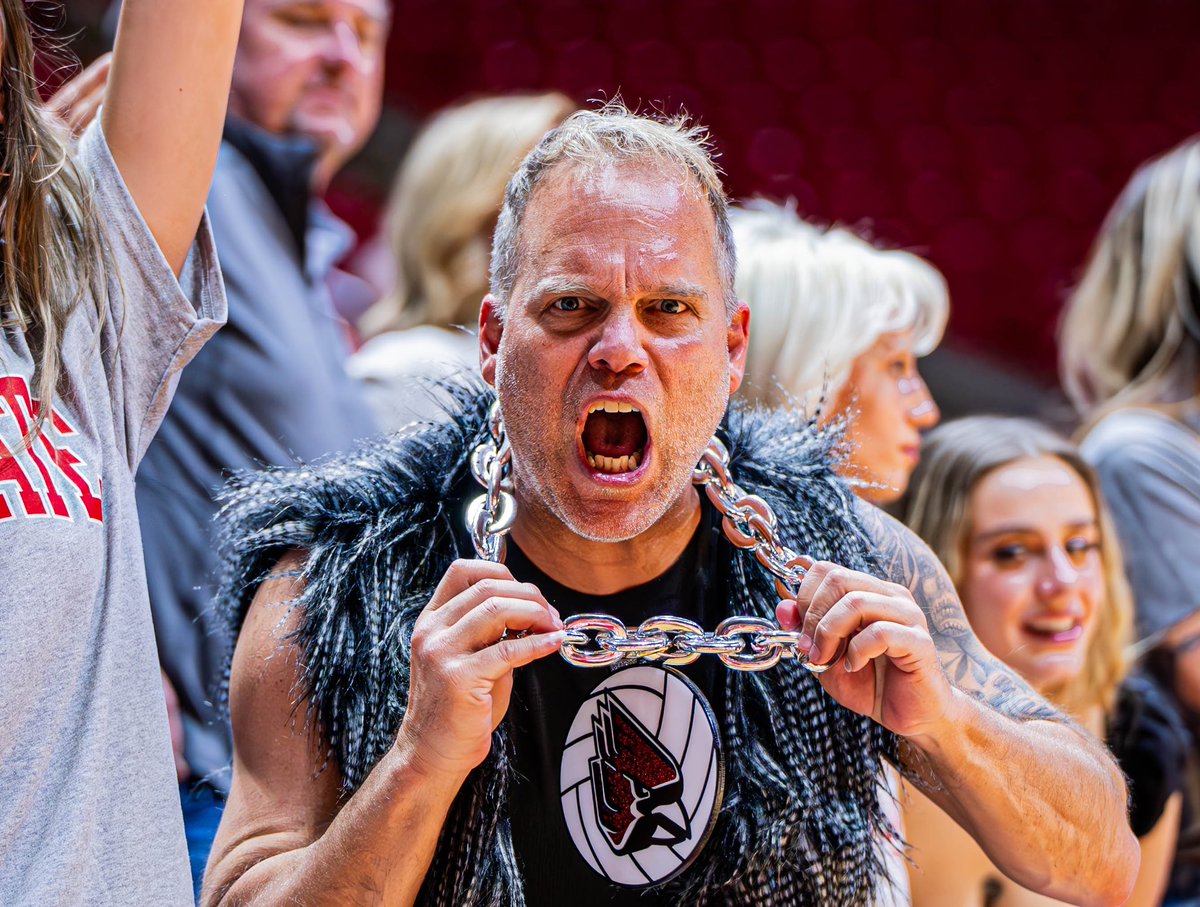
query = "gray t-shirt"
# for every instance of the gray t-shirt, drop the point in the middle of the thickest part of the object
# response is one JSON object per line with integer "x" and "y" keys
{"x": 271, "y": 389}
{"x": 1149, "y": 468}
{"x": 89, "y": 807}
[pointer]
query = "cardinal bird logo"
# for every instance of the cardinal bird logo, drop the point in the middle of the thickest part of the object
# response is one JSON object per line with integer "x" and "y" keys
{"x": 636, "y": 783}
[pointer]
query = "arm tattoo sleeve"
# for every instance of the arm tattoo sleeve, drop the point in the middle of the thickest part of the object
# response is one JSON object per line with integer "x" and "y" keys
{"x": 904, "y": 559}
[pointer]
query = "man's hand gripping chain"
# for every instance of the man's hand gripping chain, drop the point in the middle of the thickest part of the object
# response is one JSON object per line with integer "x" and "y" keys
{"x": 596, "y": 640}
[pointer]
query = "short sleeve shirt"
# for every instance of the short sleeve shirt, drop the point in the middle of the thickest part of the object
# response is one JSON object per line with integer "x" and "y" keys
{"x": 549, "y": 693}
{"x": 1149, "y": 468}
{"x": 90, "y": 809}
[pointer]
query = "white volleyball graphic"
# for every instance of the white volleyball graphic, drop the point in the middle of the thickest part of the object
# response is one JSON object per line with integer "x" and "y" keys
{"x": 642, "y": 776}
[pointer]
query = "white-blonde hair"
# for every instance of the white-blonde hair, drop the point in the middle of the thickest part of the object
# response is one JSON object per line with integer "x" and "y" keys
{"x": 821, "y": 297}
{"x": 1130, "y": 335}
{"x": 613, "y": 133}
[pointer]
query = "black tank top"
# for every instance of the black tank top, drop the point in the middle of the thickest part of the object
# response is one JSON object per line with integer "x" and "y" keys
{"x": 548, "y": 694}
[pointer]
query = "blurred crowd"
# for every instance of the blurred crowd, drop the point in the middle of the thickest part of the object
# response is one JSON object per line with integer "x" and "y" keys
{"x": 1076, "y": 556}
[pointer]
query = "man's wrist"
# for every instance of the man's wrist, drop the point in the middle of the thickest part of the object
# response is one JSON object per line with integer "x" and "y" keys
{"x": 408, "y": 763}
{"x": 946, "y": 737}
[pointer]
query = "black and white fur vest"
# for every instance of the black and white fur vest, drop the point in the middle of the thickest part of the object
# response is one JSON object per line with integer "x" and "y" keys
{"x": 801, "y": 817}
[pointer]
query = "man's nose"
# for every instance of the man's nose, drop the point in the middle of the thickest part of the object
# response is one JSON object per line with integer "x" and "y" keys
{"x": 343, "y": 48}
{"x": 923, "y": 413}
{"x": 619, "y": 348}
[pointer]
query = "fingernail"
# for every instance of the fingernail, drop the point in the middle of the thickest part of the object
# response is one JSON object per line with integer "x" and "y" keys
{"x": 556, "y": 638}
{"x": 814, "y": 655}
{"x": 805, "y": 642}
{"x": 846, "y": 664}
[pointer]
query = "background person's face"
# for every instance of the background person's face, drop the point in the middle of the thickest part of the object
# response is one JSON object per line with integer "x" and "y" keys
{"x": 889, "y": 407}
{"x": 618, "y": 298}
{"x": 313, "y": 68}
{"x": 1033, "y": 578}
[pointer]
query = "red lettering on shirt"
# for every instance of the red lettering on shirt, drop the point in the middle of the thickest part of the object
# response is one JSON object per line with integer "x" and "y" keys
{"x": 50, "y": 447}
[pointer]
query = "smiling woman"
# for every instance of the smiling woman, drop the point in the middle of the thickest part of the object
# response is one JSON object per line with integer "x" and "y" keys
{"x": 1017, "y": 517}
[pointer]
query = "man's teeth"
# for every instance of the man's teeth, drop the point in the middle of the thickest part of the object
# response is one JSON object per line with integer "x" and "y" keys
{"x": 612, "y": 406}
{"x": 614, "y": 464}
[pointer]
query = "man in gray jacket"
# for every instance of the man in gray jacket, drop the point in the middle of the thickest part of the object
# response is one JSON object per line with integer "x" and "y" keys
{"x": 271, "y": 388}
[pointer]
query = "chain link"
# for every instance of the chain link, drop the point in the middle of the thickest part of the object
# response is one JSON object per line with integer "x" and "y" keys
{"x": 597, "y": 640}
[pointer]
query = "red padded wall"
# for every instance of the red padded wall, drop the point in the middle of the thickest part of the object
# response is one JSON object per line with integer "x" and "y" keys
{"x": 989, "y": 135}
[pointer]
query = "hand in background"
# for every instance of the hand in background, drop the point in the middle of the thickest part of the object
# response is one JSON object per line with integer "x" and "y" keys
{"x": 78, "y": 99}
{"x": 175, "y": 721}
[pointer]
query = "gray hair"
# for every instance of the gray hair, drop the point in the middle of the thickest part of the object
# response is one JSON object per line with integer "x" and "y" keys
{"x": 612, "y": 133}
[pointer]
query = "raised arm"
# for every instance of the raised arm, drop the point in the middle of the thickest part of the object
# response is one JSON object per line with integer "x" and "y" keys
{"x": 1043, "y": 798}
{"x": 285, "y": 837}
{"x": 165, "y": 108}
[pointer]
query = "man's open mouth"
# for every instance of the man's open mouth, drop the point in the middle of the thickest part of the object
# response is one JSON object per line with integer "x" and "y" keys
{"x": 614, "y": 437}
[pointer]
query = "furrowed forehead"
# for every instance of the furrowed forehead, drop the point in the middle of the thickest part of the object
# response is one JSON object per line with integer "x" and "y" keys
{"x": 379, "y": 10}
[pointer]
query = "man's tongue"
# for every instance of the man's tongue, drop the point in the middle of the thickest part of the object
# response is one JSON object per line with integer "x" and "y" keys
{"x": 614, "y": 434}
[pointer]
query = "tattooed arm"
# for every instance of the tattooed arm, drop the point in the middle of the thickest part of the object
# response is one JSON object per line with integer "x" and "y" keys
{"x": 1043, "y": 798}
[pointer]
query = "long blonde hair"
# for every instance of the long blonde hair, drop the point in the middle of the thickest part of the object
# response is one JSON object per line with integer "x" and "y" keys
{"x": 444, "y": 205}
{"x": 52, "y": 251}
{"x": 1131, "y": 332}
{"x": 820, "y": 297}
{"x": 955, "y": 458}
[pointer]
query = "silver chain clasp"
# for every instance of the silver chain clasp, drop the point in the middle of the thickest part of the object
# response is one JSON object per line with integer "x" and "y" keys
{"x": 598, "y": 640}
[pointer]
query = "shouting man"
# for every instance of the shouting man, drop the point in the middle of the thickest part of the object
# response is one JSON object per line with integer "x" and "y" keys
{"x": 405, "y": 731}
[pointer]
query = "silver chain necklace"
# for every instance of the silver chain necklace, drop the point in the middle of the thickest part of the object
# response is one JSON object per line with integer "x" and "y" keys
{"x": 742, "y": 643}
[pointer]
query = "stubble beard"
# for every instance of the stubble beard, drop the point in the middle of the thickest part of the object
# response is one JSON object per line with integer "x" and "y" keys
{"x": 541, "y": 481}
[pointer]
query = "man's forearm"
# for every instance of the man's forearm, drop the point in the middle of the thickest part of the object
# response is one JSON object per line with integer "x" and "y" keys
{"x": 376, "y": 850}
{"x": 1044, "y": 800}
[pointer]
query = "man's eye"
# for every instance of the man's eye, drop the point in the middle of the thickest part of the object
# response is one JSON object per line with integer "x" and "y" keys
{"x": 568, "y": 304}
{"x": 301, "y": 18}
{"x": 672, "y": 306}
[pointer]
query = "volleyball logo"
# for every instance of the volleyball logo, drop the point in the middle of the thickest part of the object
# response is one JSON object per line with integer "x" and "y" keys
{"x": 642, "y": 776}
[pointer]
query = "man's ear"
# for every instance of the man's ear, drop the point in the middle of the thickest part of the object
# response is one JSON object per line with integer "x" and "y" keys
{"x": 739, "y": 345}
{"x": 491, "y": 329}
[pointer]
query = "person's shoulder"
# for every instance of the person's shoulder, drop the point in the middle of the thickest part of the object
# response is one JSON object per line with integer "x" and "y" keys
{"x": 783, "y": 443}
{"x": 1136, "y": 435}
{"x": 1136, "y": 450}
{"x": 404, "y": 471}
{"x": 1149, "y": 741}
{"x": 413, "y": 352}
{"x": 1146, "y": 719}
{"x": 93, "y": 161}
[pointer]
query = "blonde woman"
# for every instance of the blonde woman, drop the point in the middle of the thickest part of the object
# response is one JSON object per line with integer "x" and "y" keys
{"x": 1131, "y": 364}
{"x": 108, "y": 286}
{"x": 439, "y": 222}
{"x": 1016, "y": 516}
{"x": 838, "y": 326}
